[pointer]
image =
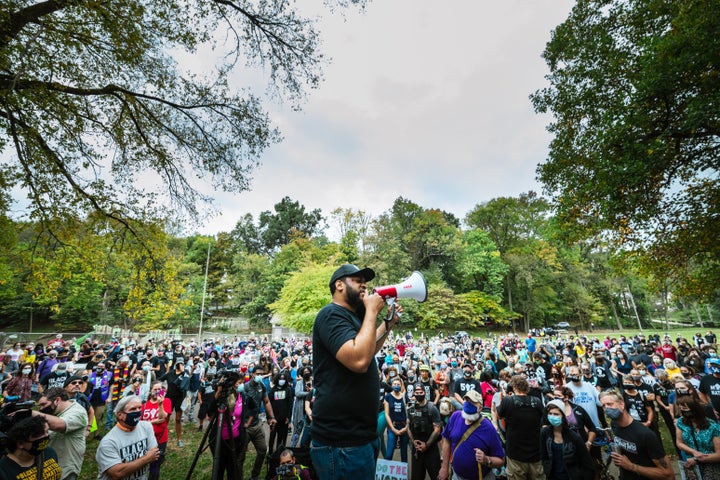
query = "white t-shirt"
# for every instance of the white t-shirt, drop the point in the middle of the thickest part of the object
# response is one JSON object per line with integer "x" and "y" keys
{"x": 586, "y": 395}
{"x": 122, "y": 447}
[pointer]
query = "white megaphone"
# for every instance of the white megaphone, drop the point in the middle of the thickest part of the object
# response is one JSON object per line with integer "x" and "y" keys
{"x": 412, "y": 287}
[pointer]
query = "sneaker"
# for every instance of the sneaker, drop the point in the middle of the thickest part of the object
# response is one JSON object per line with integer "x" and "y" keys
{"x": 199, "y": 428}
{"x": 180, "y": 443}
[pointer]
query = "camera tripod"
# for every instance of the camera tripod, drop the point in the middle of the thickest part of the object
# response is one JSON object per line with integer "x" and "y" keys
{"x": 220, "y": 420}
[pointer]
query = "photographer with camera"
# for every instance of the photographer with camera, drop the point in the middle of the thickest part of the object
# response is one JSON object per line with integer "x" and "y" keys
{"x": 68, "y": 422}
{"x": 289, "y": 469}
{"x": 229, "y": 417}
{"x": 27, "y": 443}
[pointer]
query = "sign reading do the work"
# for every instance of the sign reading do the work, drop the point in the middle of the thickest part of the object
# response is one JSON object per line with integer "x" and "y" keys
{"x": 391, "y": 470}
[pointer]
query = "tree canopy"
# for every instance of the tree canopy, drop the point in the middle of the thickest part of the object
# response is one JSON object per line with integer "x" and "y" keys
{"x": 634, "y": 91}
{"x": 96, "y": 115}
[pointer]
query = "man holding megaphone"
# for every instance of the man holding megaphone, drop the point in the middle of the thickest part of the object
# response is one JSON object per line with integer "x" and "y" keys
{"x": 345, "y": 341}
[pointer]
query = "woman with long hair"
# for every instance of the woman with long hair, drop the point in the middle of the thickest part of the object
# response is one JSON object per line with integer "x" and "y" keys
{"x": 698, "y": 437}
{"x": 564, "y": 455}
{"x": 21, "y": 383}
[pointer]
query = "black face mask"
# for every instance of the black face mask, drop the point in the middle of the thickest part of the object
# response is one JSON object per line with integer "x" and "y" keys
{"x": 573, "y": 378}
{"x": 39, "y": 445}
{"x": 420, "y": 398}
{"x": 687, "y": 413}
{"x": 49, "y": 410}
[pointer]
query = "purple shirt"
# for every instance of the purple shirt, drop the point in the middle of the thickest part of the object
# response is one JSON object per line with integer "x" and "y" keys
{"x": 484, "y": 437}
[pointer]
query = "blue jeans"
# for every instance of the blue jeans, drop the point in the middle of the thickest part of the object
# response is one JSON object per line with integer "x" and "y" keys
{"x": 392, "y": 441}
{"x": 382, "y": 426}
{"x": 341, "y": 463}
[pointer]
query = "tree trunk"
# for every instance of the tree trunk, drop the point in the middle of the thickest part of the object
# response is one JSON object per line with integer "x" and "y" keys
{"x": 615, "y": 315}
{"x": 707, "y": 307}
{"x": 634, "y": 307}
{"x": 697, "y": 313}
{"x": 510, "y": 304}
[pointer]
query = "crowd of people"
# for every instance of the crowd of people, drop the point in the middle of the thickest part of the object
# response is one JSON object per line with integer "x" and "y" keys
{"x": 454, "y": 406}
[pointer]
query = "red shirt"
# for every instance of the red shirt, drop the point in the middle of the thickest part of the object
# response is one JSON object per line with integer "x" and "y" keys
{"x": 151, "y": 411}
{"x": 669, "y": 351}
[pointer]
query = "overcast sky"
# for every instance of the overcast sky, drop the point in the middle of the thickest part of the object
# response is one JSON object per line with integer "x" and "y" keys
{"x": 425, "y": 100}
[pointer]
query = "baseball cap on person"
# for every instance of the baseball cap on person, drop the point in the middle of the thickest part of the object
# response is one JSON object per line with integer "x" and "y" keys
{"x": 474, "y": 396}
{"x": 351, "y": 270}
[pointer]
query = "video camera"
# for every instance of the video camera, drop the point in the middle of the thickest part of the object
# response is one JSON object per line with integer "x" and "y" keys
{"x": 11, "y": 412}
{"x": 225, "y": 380}
{"x": 286, "y": 470}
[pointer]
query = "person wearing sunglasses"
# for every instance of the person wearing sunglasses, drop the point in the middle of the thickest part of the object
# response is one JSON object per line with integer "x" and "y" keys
{"x": 67, "y": 421}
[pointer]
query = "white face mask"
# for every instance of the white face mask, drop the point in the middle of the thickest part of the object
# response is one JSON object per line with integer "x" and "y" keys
{"x": 281, "y": 382}
{"x": 26, "y": 371}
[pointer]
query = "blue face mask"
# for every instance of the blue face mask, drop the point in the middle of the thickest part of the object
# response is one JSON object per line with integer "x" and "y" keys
{"x": 554, "y": 420}
{"x": 257, "y": 378}
{"x": 241, "y": 388}
{"x": 469, "y": 408}
{"x": 613, "y": 413}
{"x": 396, "y": 388}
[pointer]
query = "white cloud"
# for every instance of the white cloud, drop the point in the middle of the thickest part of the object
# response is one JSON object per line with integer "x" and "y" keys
{"x": 423, "y": 100}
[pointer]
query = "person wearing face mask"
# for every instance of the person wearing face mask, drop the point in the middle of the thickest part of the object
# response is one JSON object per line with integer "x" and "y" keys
{"x": 21, "y": 384}
{"x": 47, "y": 365}
{"x": 424, "y": 428}
{"x": 396, "y": 418}
{"x": 129, "y": 448}
{"x": 303, "y": 387}
{"x": 27, "y": 445}
{"x": 56, "y": 378}
{"x": 281, "y": 398}
{"x": 255, "y": 395}
{"x": 464, "y": 385}
{"x": 98, "y": 393}
{"x": 585, "y": 394}
{"x": 68, "y": 422}
{"x": 156, "y": 410}
{"x": 523, "y": 416}
{"x": 564, "y": 454}
{"x": 120, "y": 377}
{"x": 638, "y": 453}
{"x": 698, "y": 437}
{"x": 710, "y": 386}
{"x": 177, "y": 381}
{"x": 471, "y": 447}
{"x": 637, "y": 406}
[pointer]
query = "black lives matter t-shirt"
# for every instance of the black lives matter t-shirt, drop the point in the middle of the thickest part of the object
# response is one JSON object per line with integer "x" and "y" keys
{"x": 346, "y": 403}
{"x": 639, "y": 444}
{"x": 9, "y": 470}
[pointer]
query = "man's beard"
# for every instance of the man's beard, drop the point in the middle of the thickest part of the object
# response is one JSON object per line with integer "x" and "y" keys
{"x": 470, "y": 417}
{"x": 354, "y": 299}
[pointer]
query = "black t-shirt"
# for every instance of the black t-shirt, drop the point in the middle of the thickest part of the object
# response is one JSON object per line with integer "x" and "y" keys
{"x": 710, "y": 386}
{"x": 9, "y": 470}
{"x": 639, "y": 444}
{"x": 346, "y": 404}
{"x": 523, "y": 416}
{"x": 464, "y": 385}
{"x": 637, "y": 407}
{"x": 603, "y": 375}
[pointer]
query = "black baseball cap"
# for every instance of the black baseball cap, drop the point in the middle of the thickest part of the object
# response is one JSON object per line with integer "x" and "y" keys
{"x": 348, "y": 270}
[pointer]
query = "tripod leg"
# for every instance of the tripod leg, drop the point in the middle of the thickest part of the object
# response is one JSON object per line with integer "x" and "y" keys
{"x": 201, "y": 447}
{"x": 217, "y": 457}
